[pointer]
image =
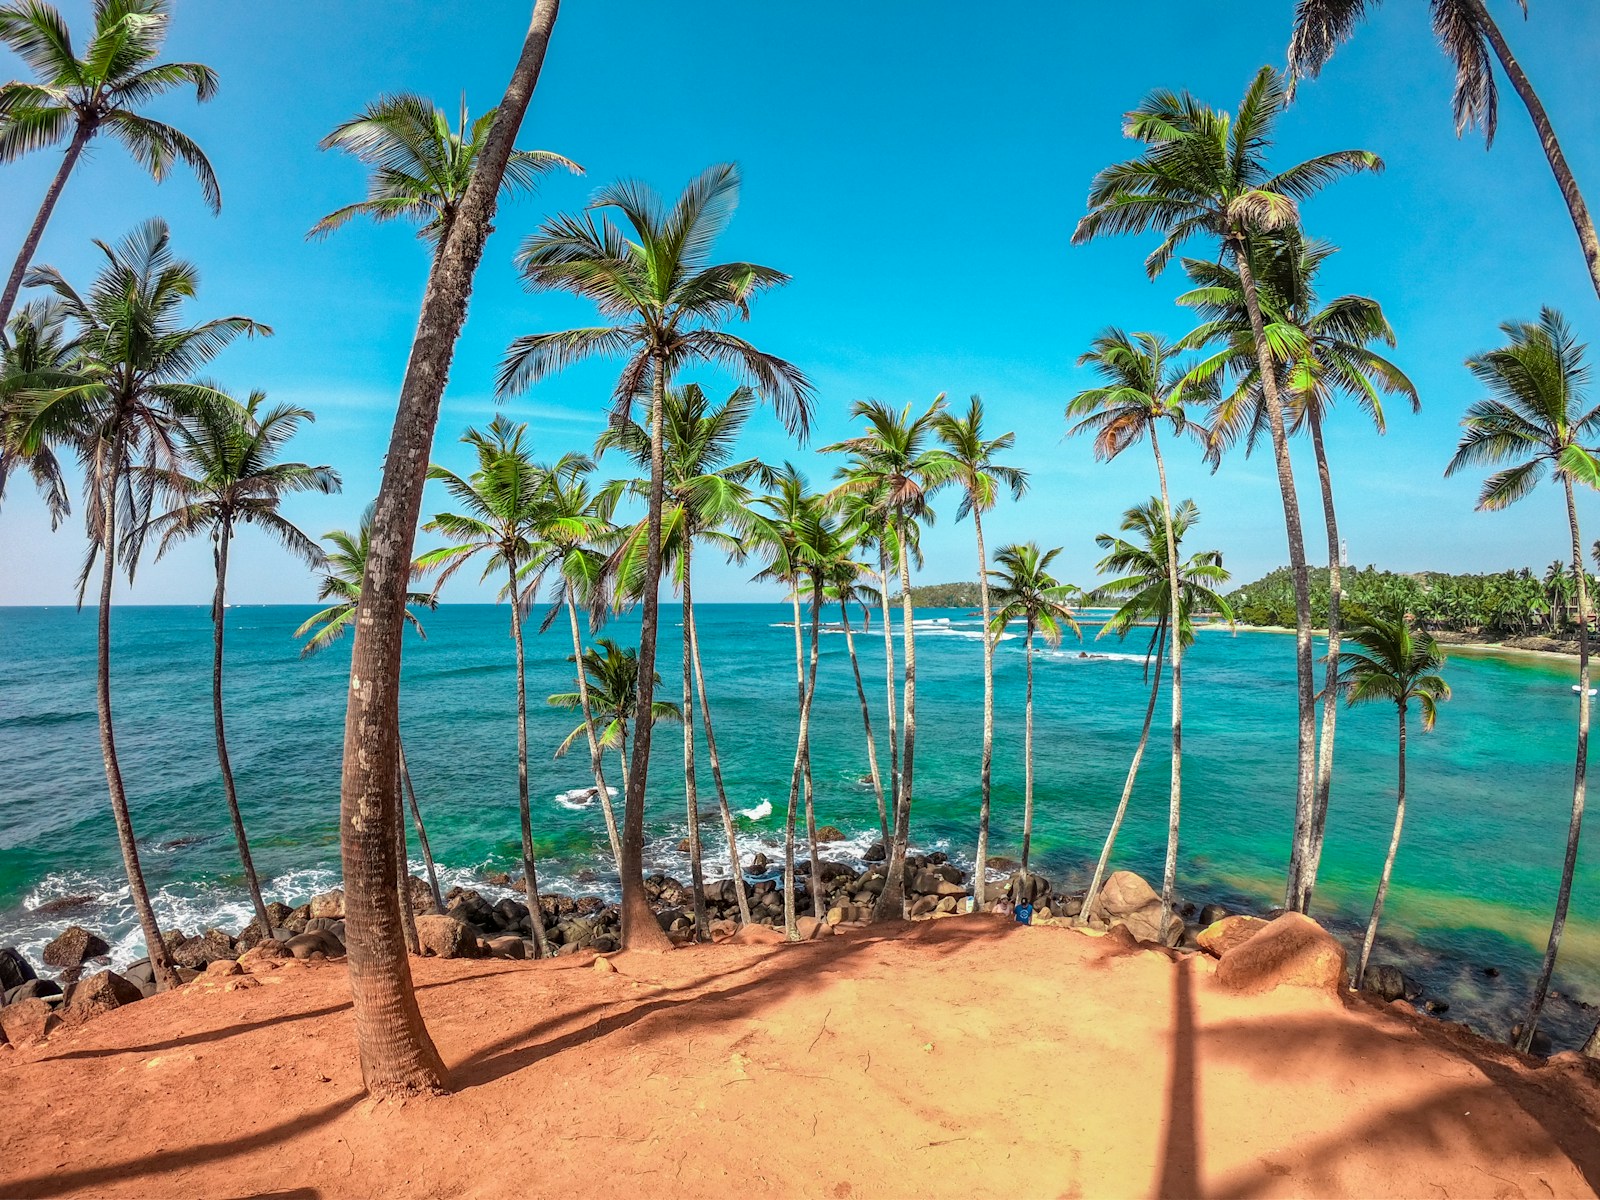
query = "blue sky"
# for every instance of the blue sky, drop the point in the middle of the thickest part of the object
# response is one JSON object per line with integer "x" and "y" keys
{"x": 918, "y": 172}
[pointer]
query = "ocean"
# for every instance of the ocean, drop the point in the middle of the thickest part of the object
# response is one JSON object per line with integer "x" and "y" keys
{"x": 1489, "y": 789}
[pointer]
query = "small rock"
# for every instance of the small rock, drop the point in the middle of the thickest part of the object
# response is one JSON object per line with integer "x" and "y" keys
{"x": 28, "y": 1022}
{"x": 223, "y": 966}
{"x": 33, "y": 989}
{"x": 829, "y": 833}
{"x": 264, "y": 956}
{"x": 1385, "y": 981}
{"x": 1211, "y": 914}
{"x": 508, "y": 947}
{"x": 603, "y": 965}
{"x": 875, "y": 853}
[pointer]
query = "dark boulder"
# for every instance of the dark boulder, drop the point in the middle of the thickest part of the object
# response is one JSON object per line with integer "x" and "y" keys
{"x": 1032, "y": 887}
{"x": 33, "y": 989}
{"x": 14, "y": 969}
{"x": 875, "y": 853}
{"x": 829, "y": 833}
{"x": 62, "y": 905}
{"x": 760, "y": 864}
{"x": 1385, "y": 981}
{"x": 1211, "y": 914}
{"x": 73, "y": 948}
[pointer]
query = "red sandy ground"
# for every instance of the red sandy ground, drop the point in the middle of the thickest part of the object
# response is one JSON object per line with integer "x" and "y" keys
{"x": 964, "y": 1057}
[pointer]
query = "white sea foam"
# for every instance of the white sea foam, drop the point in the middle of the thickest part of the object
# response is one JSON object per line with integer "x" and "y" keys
{"x": 759, "y": 812}
{"x": 579, "y": 799}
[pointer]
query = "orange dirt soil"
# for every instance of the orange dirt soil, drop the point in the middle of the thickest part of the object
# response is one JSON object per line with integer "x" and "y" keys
{"x": 965, "y": 1057}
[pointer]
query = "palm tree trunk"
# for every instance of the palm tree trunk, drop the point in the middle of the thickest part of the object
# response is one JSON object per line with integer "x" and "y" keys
{"x": 530, "y": 869}
{"x": 1388, "y": 862}
{"x": 1027, "y": 762}
{"x": 1169, "y": 873}
{"x": 866, "y": 720}
{"x": 811, "y": 806}
{"x": 30, "y": 244}
{"x": 1295, "y": 895}
{"x": 596, "y": 758}
{"x": 889, "y": 685}
{"x": 891, "y": 901}
{"x": 640, "y": 929}
{"x": 1133, "y": 773}
{"x": 422, "y": 830}
{"x": 218, "y": 608}
{"x": 402, "y": 880}
{"x": 397, "y": 1056}
{"x": 1330, "y": 697}
{"x": 160, "y": 958}
{"x": 736, "y": 862}
{"x": 980, "y": 865}
{"x": 1581, "y": 221}
{"x": 697, "y": 871}
{"x": 1575, "y": 827}
{"x": 801, "y": 744}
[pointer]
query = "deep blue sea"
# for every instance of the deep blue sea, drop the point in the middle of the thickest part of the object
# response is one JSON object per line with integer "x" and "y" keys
{"x": 1489, "y": 789}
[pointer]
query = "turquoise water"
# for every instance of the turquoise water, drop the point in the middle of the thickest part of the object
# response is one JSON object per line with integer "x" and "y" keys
{"x": 1475, "y": 880}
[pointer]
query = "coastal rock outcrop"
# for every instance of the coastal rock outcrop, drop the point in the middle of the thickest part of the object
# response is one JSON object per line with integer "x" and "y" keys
{"x": 14, "y": 969}
{"x": 1292, "y": 951}
{"x": 1122, "y": 894}
{"x": 74, "y": 947}
{"x": 99, "y": 993}
{"x": 445, "y": 937}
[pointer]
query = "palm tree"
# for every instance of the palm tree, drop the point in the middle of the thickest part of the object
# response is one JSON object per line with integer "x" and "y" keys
{"x": 612, "y": 673}
{"x": 76, "y": 98}
{"x": 1142, "y": 580}
{"x": 397, "y": 1056}
{"x": 670, "y": 302}
{"x": 1026, "y": 591}
{"x": 1558, "y": 586}
{"x": 981, "y": 478}
{"x": 1397, "y": 662}
{"x": 500, "y": 503}
{"x": 1535, "y": 418}
{"x": 1141, "y": 389}
{"x": 1467, "y": 34}
{"x": 1321, "y": 350}
{"x": 846, "y": 589}
{"x": 420, "y": 167}
{"x": 346, "y": 566}
{"x": 708, "y": 499}
{"x": 38, "y": 345}
{"x": 1205, "y": 172}
{"x": 128, "y": 383}
{"x": 895, "y": 464}
{"x": 227, "y": 474}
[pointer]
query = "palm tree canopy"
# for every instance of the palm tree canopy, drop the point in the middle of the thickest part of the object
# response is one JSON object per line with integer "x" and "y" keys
{"x": 973, "y": 460}
{"x": 227, "y": 472}
{"x": 346, "y": 562}
{"x": 1140, "y": 579}
{"x": 572, "y": 533}
{"x": 420, "y": 166}
{"x": 658, "y": 284}
{"x": 897, "y": 461}
{"x": 1142, "y": 385}
{"x": 117, "y": 73}
{"x": 1321, "y": 26}
{"x": 38, "y": 345}
{"x": 1204, "y": 171}
{"x": 1535, "y": 412}
{"x": 1024, "y": 590}
{"x": 1395, "y": 661}
{"x": 613, "y": 678}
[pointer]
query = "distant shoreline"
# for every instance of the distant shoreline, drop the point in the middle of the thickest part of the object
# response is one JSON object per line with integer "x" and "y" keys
{"x": 1529, "y": 647}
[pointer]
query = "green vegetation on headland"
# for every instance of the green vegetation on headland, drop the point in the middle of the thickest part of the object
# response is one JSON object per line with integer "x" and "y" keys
{"x": 944, "y": 595}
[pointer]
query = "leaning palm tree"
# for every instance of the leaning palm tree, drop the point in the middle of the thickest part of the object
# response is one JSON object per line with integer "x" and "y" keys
{"x": 897, "y": 463}
{"x": 117, "y": 405}
{"x": 1205, "y": 172}
{"x": 500, "y": 504}
{"x": 1142, "y": 580}
{"x": 1026, "y": 591}
{"x": 1322, "y": 350}
{"x": 227, "y": 475}
{"x": 397, "y": 1055}
{"x": 612, "y": 673}
{"x": 844, "y": 589}
{"x": 669, "y": 302}
{"x": 421, "y": 167}
{"x": 1142, "y": 382}
{"x": 981, "y": 478}
{"x": 1467, "y": 34}
{"x": 1535, "y": 418}
{"x": 1397, "y": 662}
{"x": 345, "y": 560}
{"x": 38, "y": 343}
{"x": 76, "y": 99}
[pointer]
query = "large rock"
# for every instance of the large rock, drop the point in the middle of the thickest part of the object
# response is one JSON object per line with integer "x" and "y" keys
{"x": 100, "y": 993}
{"x": 445, "y": 937}
{"x": 304, "y": 945}
{"x": 328, "y": 904}
{"x": 1386, "y": 981}
{"x": 33, "y": 989}
{"x": 1223, "y": 935}
{"x": 875, "y": 853}
{"x": 1032, "y": 887}
{"x": 1292, "y": 951}
{"x": 829, "y": 833}
{"x": 14, "y": 969}
{"x": 73, "y": 948}
{"x": 1145, "y": 925}
{"x": 200, "y": 952}
{"x": 26, "y": 1022}
{"x": 264, "y": 956}
{"x": 810, "y": 928}
{"x": 1123, "y": 893}
{"x": 508, "y": 947}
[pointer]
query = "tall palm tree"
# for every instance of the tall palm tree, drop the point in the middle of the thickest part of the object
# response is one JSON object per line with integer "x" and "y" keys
{"x": 1322, "y": 350}
{"x": 1141, "y": 389}
{"x": 1026, "y": 591}
{"x": 75, "y": 99}
{"x": 397, "y": 1055}
{"x": 898, "y": 464}
{"x": 1398, "y": 662}
{"x": 1205, "y": 172}
{"x": 345, "y": 561}
{"x": 1558, "y": 588}
{"x": 128, "y": 383}
{"x": 1142, "y": 580}
{"x": 227, "y": 475}
{"x": 612, "y": 672}
{"x": 1535, "y": 418}
{"x": 707, "y": 498}
{"x": 1467, "y": 34}
{"x": 38, "y": 344}
{"x": 421, "y": 167}
{"x": 844, "y": 589}
{"x": 500, "y": 512}
{"x": 981, "y": 479}
{"x": 669, "y": 302}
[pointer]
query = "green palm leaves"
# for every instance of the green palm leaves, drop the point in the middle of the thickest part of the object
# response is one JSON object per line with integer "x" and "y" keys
{"x": 346, "y": 559}
{"x": 499, "y": 506}
{"x": 1395, "y": 661}
{"x": 1142, "y": 385}
{"x": 420, "y": 166}
{"x": 1140, "y": 576}
{"x": 1026, "y": 591}
{"x": 612, "y": 672}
